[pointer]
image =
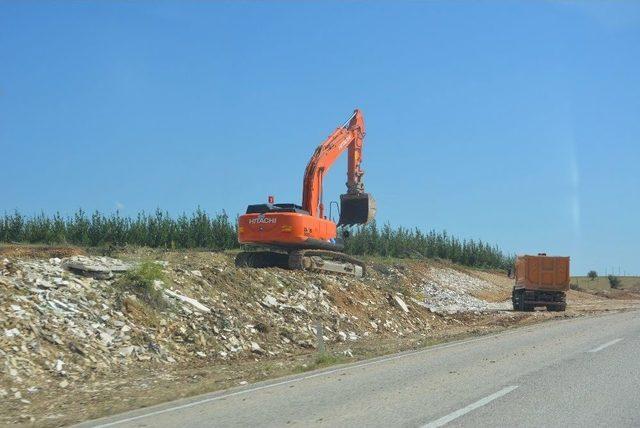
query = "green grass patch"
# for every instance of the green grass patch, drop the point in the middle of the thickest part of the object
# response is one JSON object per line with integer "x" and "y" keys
{"x": 141, "y": 281}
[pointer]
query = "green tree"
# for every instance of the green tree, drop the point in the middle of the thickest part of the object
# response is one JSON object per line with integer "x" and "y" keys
{"x": 218, "y": 232}
{"x": 614, "y": 281}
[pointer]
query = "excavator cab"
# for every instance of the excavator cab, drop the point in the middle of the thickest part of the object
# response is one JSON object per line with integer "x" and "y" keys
{"x": 356, "y": 208}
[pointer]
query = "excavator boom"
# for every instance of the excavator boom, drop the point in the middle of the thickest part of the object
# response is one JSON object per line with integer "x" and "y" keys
{"x": 356, "y": 206}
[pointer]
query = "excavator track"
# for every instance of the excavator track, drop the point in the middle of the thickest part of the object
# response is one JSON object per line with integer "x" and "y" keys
{"x": 322, "y": 261}
{"x": 262, "y": 259}
{"x": 325, "y": 261}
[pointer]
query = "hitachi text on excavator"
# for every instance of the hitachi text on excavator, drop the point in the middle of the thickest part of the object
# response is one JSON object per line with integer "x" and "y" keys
{"x": 301, "y": 236}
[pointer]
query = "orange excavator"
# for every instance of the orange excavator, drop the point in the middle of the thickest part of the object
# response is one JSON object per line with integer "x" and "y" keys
{"x": 301, "y": 236}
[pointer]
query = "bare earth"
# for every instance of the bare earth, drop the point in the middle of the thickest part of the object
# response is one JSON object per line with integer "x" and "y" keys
{"x": 74, "y": 348}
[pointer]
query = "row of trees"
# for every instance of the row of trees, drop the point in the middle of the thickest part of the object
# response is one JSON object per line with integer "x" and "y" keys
{"x": 200, "y": 230}
{"x": 217, "y": 232}
{"x": 413, "y": 243}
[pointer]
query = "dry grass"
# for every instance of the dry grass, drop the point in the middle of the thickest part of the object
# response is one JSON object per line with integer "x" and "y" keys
{"x": 39, "y": 251}
{"x": 601, "y": 283}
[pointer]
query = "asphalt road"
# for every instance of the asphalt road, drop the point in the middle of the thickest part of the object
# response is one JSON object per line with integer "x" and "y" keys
{"x": 576, "y": 372}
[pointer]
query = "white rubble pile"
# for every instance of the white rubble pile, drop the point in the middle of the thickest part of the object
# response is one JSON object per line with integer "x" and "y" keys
{"x": 460, "y": 281}
{"x": 445, "y": 301}
{"x": 66, "y": 319}
{"x": 63, "y": 321}
{"x": 56, "y": 324}
{"x": 96, "y": 267}
{"x": 449, "y": 291}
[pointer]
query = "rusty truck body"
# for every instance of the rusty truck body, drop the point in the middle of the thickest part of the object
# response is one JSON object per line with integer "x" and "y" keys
{"x": 540, "y": 280}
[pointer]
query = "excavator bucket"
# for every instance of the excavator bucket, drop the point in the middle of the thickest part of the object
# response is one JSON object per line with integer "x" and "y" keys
{"x": 356, "y": 209}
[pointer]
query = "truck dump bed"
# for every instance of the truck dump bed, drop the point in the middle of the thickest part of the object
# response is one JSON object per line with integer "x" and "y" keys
{"x": 548, "y": 273}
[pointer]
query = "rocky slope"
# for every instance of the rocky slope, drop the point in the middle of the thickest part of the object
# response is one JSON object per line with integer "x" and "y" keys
{"x": 68, "y": 324}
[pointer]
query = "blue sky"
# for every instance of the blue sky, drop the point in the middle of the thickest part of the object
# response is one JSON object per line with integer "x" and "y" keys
{"x": 512, "y": 122}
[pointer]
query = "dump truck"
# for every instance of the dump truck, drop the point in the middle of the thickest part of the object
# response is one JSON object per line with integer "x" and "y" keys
{"x": 540, "y": 280}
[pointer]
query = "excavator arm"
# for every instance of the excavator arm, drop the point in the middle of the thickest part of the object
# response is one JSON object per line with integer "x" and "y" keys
{"x": 356, "y": 206}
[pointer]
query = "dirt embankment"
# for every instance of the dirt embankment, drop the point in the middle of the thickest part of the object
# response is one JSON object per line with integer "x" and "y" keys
{"x": 206, "y": 325}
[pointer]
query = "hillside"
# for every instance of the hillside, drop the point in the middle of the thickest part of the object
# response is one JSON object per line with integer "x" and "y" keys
{"x": 78, "y": 325}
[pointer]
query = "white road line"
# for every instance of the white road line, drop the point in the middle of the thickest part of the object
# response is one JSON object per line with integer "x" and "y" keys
{"x": 606, "y": 345}
{"x": 498, "y": 335}
{"x": 299, "y": 379}
{"x": 482, "y": 402}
